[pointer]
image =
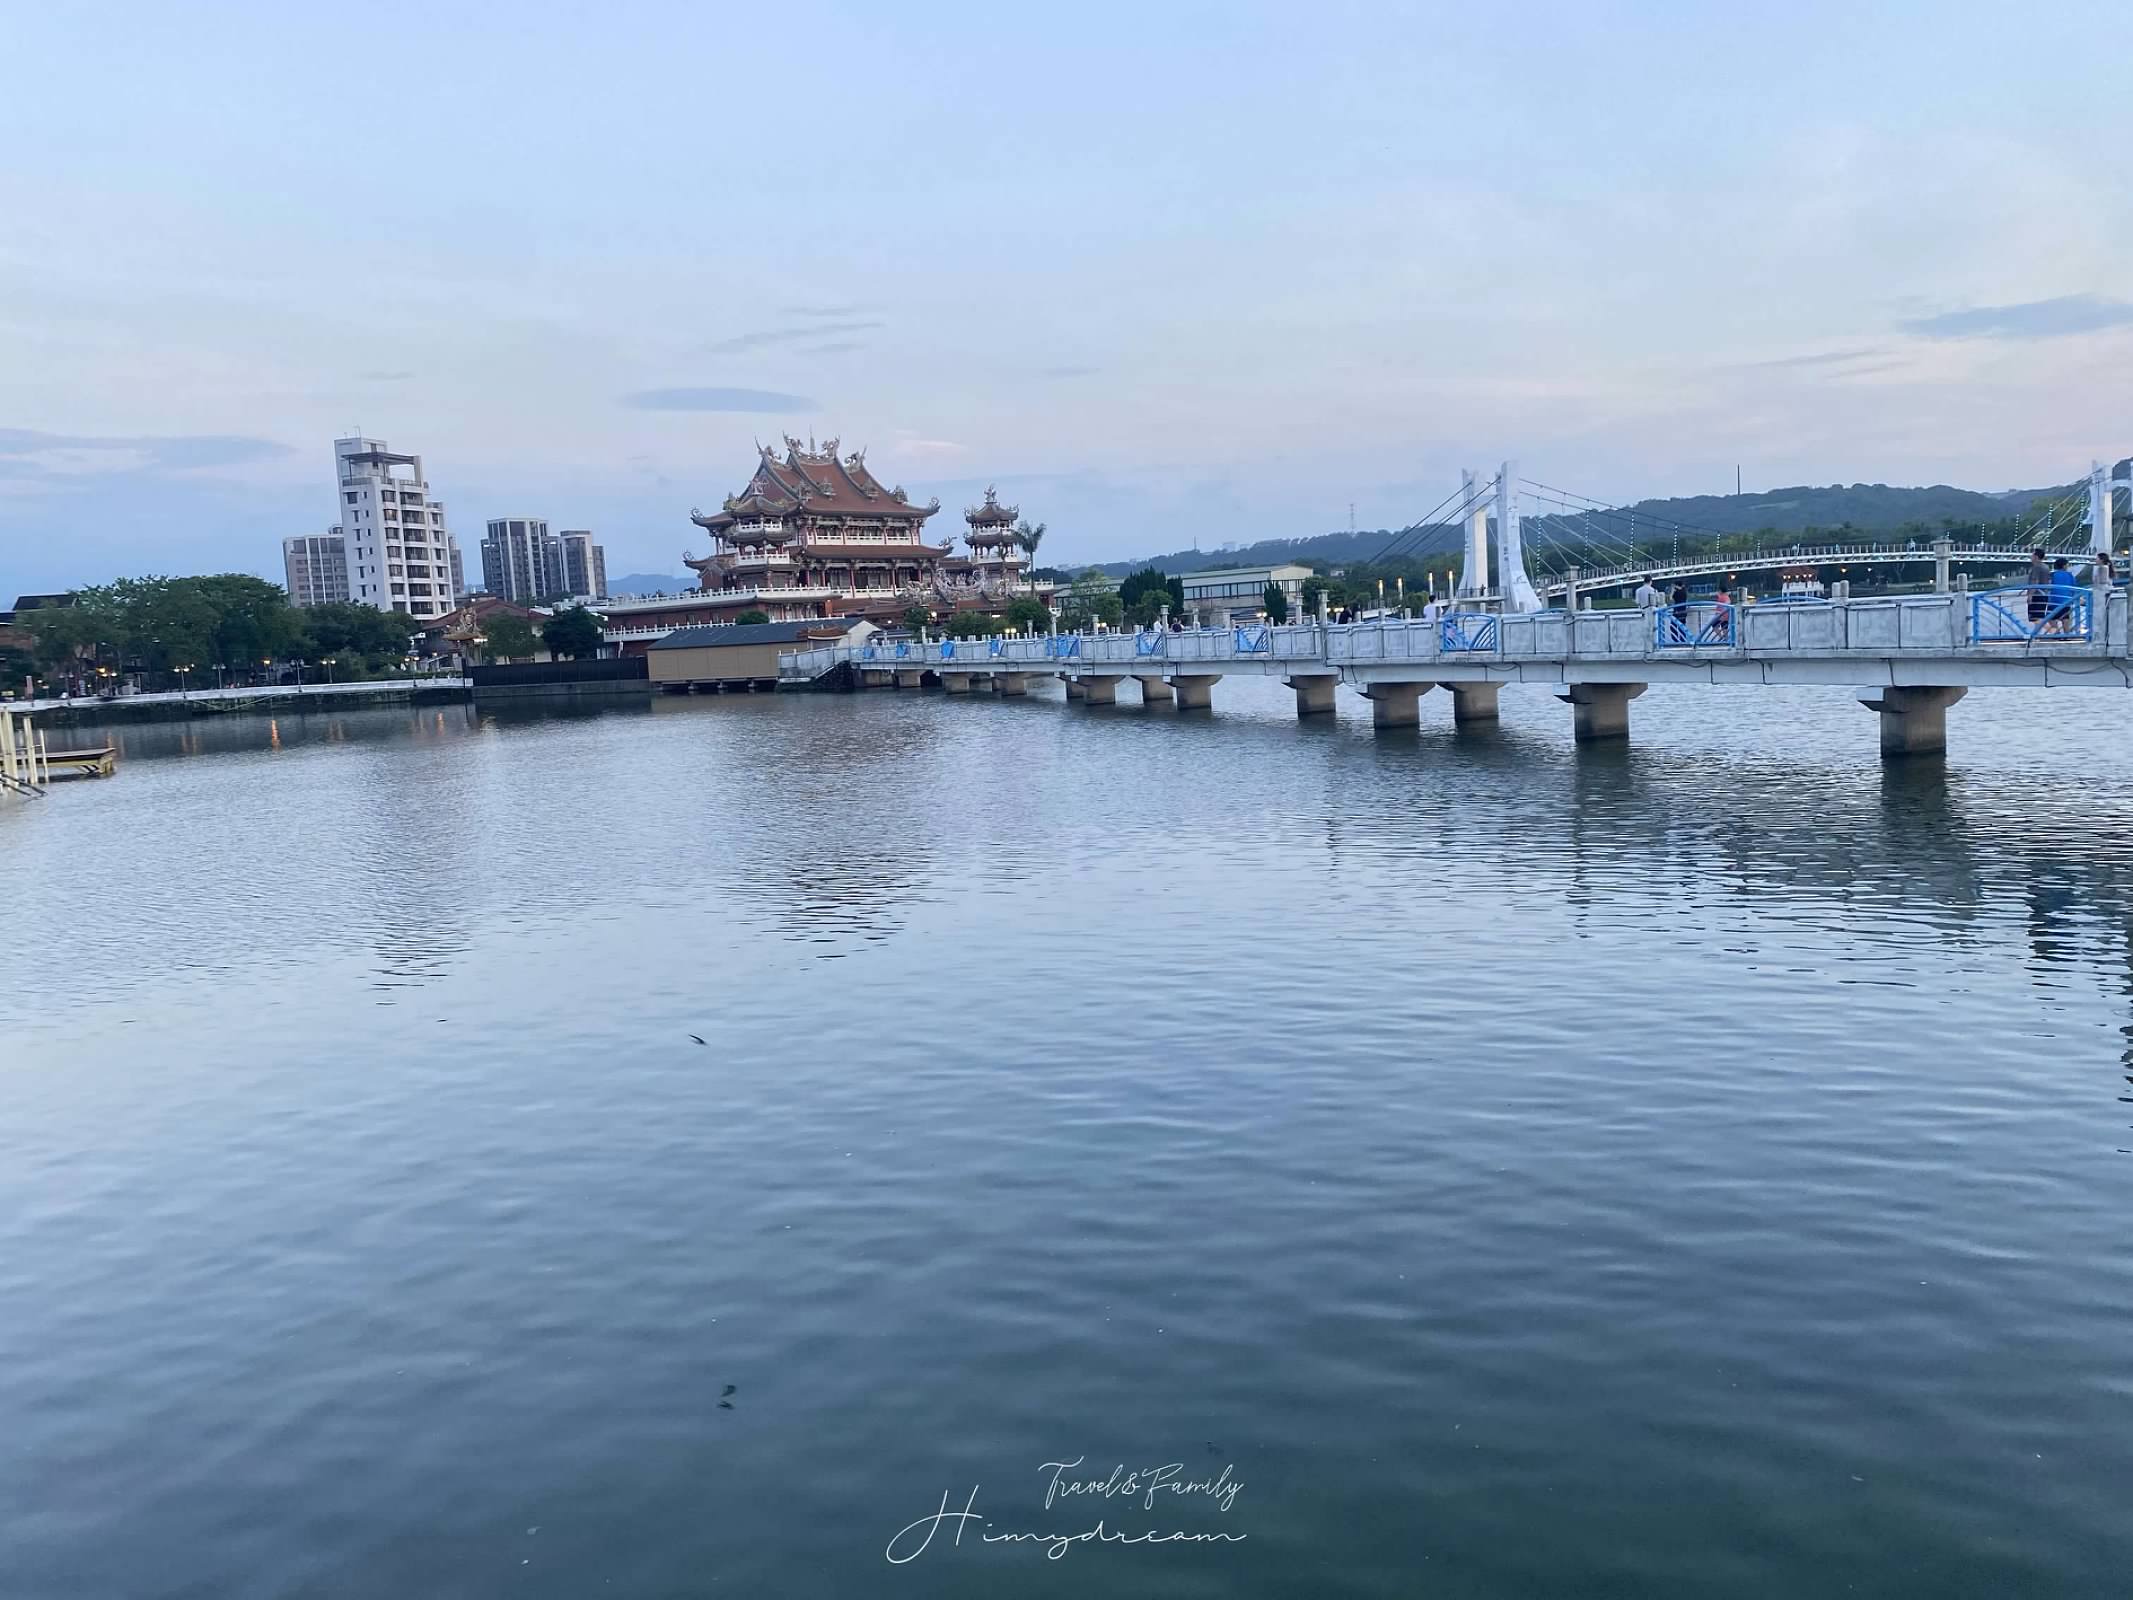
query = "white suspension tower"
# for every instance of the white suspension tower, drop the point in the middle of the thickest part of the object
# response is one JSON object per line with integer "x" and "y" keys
{"x": 2101, "y": 486}
{"x": 1511, "y": 579}
{"x": 1474, "y": 574}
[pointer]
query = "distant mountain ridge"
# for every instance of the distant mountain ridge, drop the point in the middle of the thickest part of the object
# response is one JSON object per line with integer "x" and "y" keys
{"x": 1860, "y": 507}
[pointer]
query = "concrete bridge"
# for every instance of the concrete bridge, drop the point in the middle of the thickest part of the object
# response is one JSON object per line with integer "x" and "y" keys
{"x": 1916, "y": 655}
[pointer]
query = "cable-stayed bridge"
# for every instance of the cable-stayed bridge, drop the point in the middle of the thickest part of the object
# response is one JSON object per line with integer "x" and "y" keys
{"x": 1918, "y": 654}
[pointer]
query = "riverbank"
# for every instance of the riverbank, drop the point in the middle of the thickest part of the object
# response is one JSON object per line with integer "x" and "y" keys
{"x": 179, "y": 706}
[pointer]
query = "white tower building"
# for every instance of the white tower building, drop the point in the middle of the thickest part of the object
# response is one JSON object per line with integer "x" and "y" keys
{"x": 400, "y": 556}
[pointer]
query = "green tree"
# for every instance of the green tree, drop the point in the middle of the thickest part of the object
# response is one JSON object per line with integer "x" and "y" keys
{"x": 974, "y": 625}
{"x": 1314, "y": 590}
{"x": 1276, "y": 603}
{"x": 1090, "y": 600}
{"x": 1146, "y": 609}
{"x": 1150, "y": 580}
{"x": 1028, "y": 615}
{"x": 750, "y": 616}
{"x": 916, "y": 618}
{"x": 508, "y": 637}
{"x": 345, "y": 631}
{"x": 1029, "y": 536}
{"x": 574, "y": 632}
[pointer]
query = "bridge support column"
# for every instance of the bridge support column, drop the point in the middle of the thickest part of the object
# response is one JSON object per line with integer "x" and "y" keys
{"x": 1397, "y": 705}
{"x": 1196, "y": 690}
{"x": 1914, "y": 721}
{"x": 1314, "y": 695}
{"x": 1010, "y": 683}
{"x": 909, "y": 680}
{"x": 1100, "y": 691}
{"x": 876, "y": 678}
{"x": 956, "y": 682}
{"x": 1600, "y": 710}
{"x": 1076, "y": 688}
{"x": 1154, "y": 689}
{"x": 1474, "y": 702}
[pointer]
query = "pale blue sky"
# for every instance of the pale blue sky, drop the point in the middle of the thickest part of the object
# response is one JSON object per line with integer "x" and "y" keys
{"x": 1163, "y": 272}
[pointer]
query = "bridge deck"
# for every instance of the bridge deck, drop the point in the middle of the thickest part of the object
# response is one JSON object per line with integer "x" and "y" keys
{"x": 1953, "y": 640}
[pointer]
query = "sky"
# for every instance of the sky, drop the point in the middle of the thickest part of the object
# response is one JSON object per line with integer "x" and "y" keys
{"x": 1167, "y": 274}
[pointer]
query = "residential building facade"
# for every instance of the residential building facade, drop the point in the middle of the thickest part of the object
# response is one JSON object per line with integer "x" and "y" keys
{"x": 315, "y": 568}
{"x": 399, "y": 554}
{"x": 522, "y": 561}
{"x": 584, "y": 565}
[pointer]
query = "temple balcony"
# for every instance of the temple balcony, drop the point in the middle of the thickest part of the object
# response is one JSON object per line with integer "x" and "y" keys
{"x": 758, "y": 526}
{"x": 761, "y": 560}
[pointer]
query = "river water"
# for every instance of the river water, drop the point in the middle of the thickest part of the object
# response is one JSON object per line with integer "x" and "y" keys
{"x": 1459, "y": 1164}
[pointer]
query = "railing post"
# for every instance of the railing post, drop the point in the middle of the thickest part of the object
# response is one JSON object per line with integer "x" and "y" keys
{"x": 1941, "y": 547}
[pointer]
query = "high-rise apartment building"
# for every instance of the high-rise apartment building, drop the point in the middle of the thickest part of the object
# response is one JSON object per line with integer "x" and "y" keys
{"x": 522, "y": 561}
{"x": 315, "y": 568}
{"x": 399, "y": 555}
{"x": 584, "y": 565}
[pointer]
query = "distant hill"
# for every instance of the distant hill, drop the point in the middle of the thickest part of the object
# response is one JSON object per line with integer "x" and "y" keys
{"x": 1858, "y": 507}
{"x": 649, "y": 583}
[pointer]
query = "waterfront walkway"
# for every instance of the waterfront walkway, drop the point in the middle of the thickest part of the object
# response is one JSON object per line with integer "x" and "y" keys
{"x": 1917, "y": 654}
{"x": 241, "y": 699}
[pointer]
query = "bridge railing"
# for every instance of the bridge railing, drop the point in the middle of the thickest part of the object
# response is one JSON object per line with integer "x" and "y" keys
{"x": 2029, "y": 613}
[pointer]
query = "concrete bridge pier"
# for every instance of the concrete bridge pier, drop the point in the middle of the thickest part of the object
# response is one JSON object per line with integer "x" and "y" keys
{"x": 1914, "y": 721}
{"x": 1397, "y": 705}
{"x": 1196, "y": 690}
{"x": 1076, "y": 688}
{"x": 1010, "y": 683}
{"x": 1314, "y": 694}
{"x": 956, "y": 682}
{"x": 1600, "y": 710}
{"x": 1474, "y": 702}
{"x": 909, "y": 680}
{"x": 876, "y": 678}
{"x": 1100, "y": 691}
{"x": 1154, "y": 689}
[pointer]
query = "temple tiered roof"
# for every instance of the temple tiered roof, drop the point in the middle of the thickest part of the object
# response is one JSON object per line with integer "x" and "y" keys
{"x": 812, "y": 481}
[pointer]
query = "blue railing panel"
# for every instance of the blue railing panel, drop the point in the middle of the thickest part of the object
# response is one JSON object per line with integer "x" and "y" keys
{"x": 1254, "y": 640}
{"x": 1063, "y": 646}
{"x": 1149, "y": 644}
{"x": 1694, "y": 627}
{"x": 2031, "y": 613}
{"x": 947, "y": 649}
{"x": 1468, "y": 631}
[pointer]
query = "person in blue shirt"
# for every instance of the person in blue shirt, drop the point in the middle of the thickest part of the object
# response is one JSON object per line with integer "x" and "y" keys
{"x": 2064, "y": 589}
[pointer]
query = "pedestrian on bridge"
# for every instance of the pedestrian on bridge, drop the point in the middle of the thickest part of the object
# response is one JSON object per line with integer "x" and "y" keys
{"x": 1647, "y": 596}
{"x": 1681, "y": 610}
{"x": 2063, "y": 591}
{"x": 2040, "y": 600}
{"x": 1722, "y": 617}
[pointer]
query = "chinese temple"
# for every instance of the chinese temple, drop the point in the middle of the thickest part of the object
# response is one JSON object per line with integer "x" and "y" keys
{"x": 813, "y": 534}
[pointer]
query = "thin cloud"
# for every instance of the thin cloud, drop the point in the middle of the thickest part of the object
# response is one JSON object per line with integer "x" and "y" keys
{"x": 765, "y": 338}
{"x": 760, "y": 400}
{"x": 1825, "y": 358}
{"x": 26, "y": 453}
{"x": 1067, "y": 372}
{"x": 2032, "y": 319}
{"x": 821, "y": 311}
{"x": 835, "y": 347}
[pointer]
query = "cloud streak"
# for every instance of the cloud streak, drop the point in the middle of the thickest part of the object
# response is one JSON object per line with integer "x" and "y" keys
{"x": 26, "y": 453}
{"x": 2031, "y": 319}
{"x": 713, "y": 399}
{"x": 768, "y": 338}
